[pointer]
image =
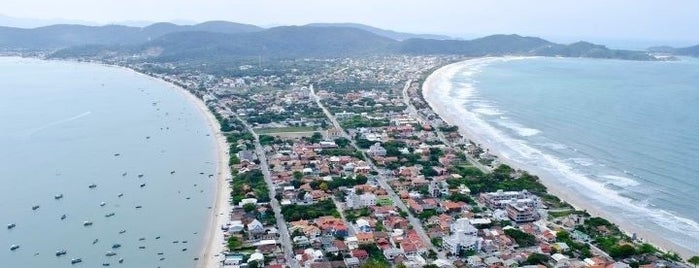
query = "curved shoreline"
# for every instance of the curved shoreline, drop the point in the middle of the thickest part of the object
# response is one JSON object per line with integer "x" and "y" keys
{"x": 431, "y": 88}
{"x": 213, "y": 239}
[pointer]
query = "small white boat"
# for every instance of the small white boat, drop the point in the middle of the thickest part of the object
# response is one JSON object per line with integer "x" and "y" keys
{"x": 58, "y": 196}
{"x": 87, "y": 223}
{"x": 14, "y": 247}
{"x": 76, "y": 260}
{"x": 103, "y": 204}
{"x": 92, "y": 186}
{"x": 109, "y": 214}
{"x": 61, "y": 252}
{"x": 11, "y": 225}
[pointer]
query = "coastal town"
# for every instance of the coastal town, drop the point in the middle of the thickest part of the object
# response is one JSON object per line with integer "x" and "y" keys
{"x": 342, "y": 163}
{"x": 349, "y": 167}
{"x": 348, "y": 134}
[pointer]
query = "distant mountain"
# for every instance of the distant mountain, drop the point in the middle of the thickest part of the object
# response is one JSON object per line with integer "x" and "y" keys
{"x": 68, "y": 35}
{"x": 163, "y": 28}
{"x": 589, "y": 50}
{"x": 278, "y": 42}
{"x": 688, "y": 51}
{"x": 692, "y": 51}
{"x": 489, "y": 45}
{"x": 220, "y": 40}
{"x": 495, "y": 45}
{"x": 8, "y": 21}
{"x": 399, "y": 36}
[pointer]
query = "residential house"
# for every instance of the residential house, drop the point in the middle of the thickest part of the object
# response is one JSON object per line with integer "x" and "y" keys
{"x": 365, "y": 238}
{"x": 376, "y": 150}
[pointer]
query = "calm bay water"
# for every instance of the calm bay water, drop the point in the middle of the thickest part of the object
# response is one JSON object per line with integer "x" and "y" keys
{"x": 620, "y": 134}
{"x": 62, "y": 126}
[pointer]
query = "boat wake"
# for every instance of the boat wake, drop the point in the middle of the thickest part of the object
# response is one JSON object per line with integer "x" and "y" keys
{"x": 58, "y": 122}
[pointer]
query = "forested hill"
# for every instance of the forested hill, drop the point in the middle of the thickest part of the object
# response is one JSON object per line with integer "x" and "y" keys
{"x": 218, "y": 40}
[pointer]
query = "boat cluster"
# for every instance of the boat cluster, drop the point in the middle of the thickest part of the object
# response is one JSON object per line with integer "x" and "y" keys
{"x": 87, "y": 223}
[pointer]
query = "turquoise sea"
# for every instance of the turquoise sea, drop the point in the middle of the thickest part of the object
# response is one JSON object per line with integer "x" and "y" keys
{"x": 142, "y": 144}
{"x": 622, "y": 135}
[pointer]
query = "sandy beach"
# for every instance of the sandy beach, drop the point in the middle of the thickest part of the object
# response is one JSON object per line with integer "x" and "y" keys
{"x": 433, "y": 92}
{"x": 214, "y": 242}
{"x": 213, "y": 238}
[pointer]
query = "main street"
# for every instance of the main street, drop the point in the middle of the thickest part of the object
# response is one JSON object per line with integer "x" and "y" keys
{"x": 284, "y": 237}
{"x": 420, "y": 230}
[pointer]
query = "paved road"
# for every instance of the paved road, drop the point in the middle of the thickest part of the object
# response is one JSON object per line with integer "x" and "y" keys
{"x": 284, "y": 237}
{"x": 350, "y": 227}
{"x": 396, "y": 200}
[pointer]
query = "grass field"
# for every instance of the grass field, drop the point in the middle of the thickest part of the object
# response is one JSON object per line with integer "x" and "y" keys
{"x": 283, "y": 130}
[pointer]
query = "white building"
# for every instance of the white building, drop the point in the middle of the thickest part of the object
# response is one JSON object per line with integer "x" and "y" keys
{"x": 376, "y": 150}
{"x": 344, "y": 115}
{"x": 460, "y": 242}
{"x": 463, "y": 226}
{"x": 521, "y": 212}
{"x": 354, "y": 201}
{"x": 500, "y": 199}
{"x": 464, "y": 237}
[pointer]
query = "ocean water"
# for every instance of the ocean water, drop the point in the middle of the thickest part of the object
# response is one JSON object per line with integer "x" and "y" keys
{"x": 622, "y": 135}
{"x": 62, "y": 125}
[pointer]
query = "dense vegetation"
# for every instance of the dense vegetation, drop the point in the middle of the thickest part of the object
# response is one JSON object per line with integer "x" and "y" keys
{"x": 523, "y": 239}
{"x": 296, "y": 212}
{"x": 249, "y": 184}
{"x": 500, "y": 179}
{"x": 577, "y": 248}
{"x": 375, "y": 255}
{"x": 358, "y": 121}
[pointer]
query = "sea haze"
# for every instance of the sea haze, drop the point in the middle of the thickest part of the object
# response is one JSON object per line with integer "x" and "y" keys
{"x": 68, "y": 125}
{"x": 621, "y": 134}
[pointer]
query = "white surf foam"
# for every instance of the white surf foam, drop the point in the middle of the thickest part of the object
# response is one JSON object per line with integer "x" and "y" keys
{"x": 487, "y": 111}
{"x": 620, "y": 181}
{"x": 518, "y": 128}
{"x": 523, "y": 154}
{"x": 554, "y": 146}
{"x": 585, "y": 162}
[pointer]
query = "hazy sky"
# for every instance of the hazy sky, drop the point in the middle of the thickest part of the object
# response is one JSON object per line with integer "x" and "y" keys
{"x": 561, "y": 19}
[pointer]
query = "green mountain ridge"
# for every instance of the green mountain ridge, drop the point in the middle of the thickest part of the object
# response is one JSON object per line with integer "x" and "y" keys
{"x": 68, "y": 35}
{"x": 398, "y": 36}
{"x": 219, "y": 41}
